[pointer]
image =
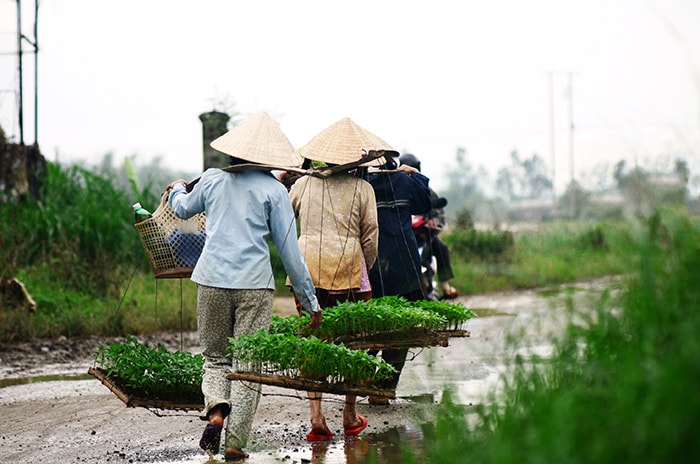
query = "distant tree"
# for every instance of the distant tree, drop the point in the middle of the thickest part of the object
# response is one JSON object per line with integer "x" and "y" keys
{"x": 464, "y": 190}
{"x": 599, "y": 178}
{"x": 462, "y": 181}
{"x": 524, "y": 179}
{"x": 574, "y": 201}
{"x": 682, "y": 171}
{"x": 644, "y": 190}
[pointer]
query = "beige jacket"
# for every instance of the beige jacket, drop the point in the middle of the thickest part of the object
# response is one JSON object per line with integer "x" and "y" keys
{"x": 337, "y": 219}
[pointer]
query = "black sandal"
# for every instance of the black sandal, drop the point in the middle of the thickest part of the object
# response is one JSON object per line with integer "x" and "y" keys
{"x": 211, "y": 438}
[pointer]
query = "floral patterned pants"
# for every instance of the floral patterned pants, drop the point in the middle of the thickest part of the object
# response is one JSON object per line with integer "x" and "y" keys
{"x": 224, "y": 313}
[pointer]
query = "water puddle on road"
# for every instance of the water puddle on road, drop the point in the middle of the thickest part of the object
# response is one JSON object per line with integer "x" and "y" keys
{"x": 41, "y": 378}
{"x": 387, "y": 447}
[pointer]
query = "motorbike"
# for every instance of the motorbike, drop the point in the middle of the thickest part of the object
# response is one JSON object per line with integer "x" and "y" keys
{"x": 423, "y": 228}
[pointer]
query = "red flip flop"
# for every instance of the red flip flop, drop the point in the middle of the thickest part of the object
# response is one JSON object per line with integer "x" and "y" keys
{"x": 356, "y": 430}
{"x": 311, "y": 436}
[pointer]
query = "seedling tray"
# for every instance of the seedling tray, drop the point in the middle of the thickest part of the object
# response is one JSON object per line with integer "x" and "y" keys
{"x": 416, "y": 337}
{"x": 297, "y": 383}
{"x": 134, "y": 400}
{"x": 457, "y": 333}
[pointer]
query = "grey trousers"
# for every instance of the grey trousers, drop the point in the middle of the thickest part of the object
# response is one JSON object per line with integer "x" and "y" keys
{"x": 224, "y": 313}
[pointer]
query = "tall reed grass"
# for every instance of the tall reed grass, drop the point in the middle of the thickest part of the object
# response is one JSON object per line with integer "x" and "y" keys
{"x": 620, "y": 388}
{"x": 76, "y": 249}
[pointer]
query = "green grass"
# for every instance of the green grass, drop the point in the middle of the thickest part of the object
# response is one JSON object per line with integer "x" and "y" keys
{"x": 621, "y": 388}
{"x": 554, "y": 254}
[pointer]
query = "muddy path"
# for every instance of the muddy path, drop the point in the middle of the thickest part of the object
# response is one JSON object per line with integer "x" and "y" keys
{"x": 53, "y": 412}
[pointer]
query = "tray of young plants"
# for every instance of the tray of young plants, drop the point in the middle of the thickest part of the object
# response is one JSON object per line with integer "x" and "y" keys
{"x": 456, "y": 315}
{"x": 150, "y": 377}
{"x": 382, "y": 323}
{"x": 307, "y": 363}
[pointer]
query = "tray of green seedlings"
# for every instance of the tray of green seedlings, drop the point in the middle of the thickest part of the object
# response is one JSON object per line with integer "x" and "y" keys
{"x": 381, "y": 323}
{"x": 150, "y": 377}
{"x": 307, "y": 363}
{"x": 412, "y": 337}
{"x": 456, "y": 314}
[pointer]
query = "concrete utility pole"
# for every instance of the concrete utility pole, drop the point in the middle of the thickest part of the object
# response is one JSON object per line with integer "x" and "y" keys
{"x": 20, "y": 94}
{"x": 571, "y": 141}
{"x": 20, "y": 52}
{"x": 551, "y": 141}
{"x": 214, "y": 124}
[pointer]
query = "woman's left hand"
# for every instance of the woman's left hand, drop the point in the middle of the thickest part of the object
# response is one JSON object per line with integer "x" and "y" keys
{"x": 175, "y": 182}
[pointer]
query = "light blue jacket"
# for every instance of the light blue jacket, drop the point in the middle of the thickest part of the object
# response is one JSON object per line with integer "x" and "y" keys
{"x": 243, "y": 209}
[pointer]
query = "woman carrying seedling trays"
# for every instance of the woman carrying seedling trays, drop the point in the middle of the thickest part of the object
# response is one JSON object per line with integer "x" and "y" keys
{"x": 337, "y": 219}
{"x": 234, "y": 276}
{"x": 401, "y": 191}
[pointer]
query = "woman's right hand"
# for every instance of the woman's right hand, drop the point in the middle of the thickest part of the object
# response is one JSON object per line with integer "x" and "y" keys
{"x": 316, "y": 319}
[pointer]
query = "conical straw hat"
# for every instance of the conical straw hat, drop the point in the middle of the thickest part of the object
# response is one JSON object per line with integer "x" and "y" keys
{"x": 258, "y": 140}
{"x": 344, "y": 142}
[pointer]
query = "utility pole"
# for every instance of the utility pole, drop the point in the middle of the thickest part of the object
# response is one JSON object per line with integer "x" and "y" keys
{"x": 20, "y": 94}
{"x": 571, "y": 141}
{"x": 571, "y": 124}
{"x": 20, "y": 52}
{"x": 551, "y": 141}
{"x": 36, "y": 71}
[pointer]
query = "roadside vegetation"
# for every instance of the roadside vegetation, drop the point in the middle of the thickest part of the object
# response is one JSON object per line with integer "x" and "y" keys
{"x": 620, "y": 387}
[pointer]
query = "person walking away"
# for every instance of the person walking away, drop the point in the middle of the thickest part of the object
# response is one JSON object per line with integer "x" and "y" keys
{"x": 434, "y": 246}
{"x": 234, "y": 276}
{"x": 400, "y": 191}
{"x": 338, "y": 236}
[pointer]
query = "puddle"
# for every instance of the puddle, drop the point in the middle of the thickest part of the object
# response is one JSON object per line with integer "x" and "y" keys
{"x": 42, "y": 378}
{"x": 387, "y": 447}
{"x": 489, "y": 312}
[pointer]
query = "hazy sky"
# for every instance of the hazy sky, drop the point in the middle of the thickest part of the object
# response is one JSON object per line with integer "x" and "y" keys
{"x": 131, "y": 77}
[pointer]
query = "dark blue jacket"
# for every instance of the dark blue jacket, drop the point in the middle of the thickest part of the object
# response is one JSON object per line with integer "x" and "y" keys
{"x": 399, "y": 195}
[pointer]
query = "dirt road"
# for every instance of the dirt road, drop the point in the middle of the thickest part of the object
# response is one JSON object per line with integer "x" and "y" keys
{"x": 81, "y": 421}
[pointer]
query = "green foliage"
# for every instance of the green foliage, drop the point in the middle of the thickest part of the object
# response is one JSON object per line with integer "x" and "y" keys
{"x": 132, "y": 177}
{"x": 472, "y": 244}
{"x": 464, "y": 220}
{"x": 307, "y": 357}
{"x": 552, "y": 254}
{"x": 454, "y": 313}
{"x": 621, "y": 386}
{"x": 77, "y": 252}
{"x": 154, "y": 373}
{"x": 379, "y": 315}
{"x": 77, "y": 231}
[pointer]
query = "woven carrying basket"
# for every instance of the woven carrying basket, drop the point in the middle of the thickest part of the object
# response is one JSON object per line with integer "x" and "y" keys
{"x": 173, "y": 245}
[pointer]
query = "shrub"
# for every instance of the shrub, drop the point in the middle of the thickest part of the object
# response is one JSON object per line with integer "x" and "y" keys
{"x": 480, "y": 245}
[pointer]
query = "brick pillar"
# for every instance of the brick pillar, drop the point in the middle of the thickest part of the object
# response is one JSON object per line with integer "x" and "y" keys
{"x": 214, "y": 124}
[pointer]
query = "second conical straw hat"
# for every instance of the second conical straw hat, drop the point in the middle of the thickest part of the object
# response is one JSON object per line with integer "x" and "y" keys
{"x": 344, "y": 142}
{"x": 258, "y": 140}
